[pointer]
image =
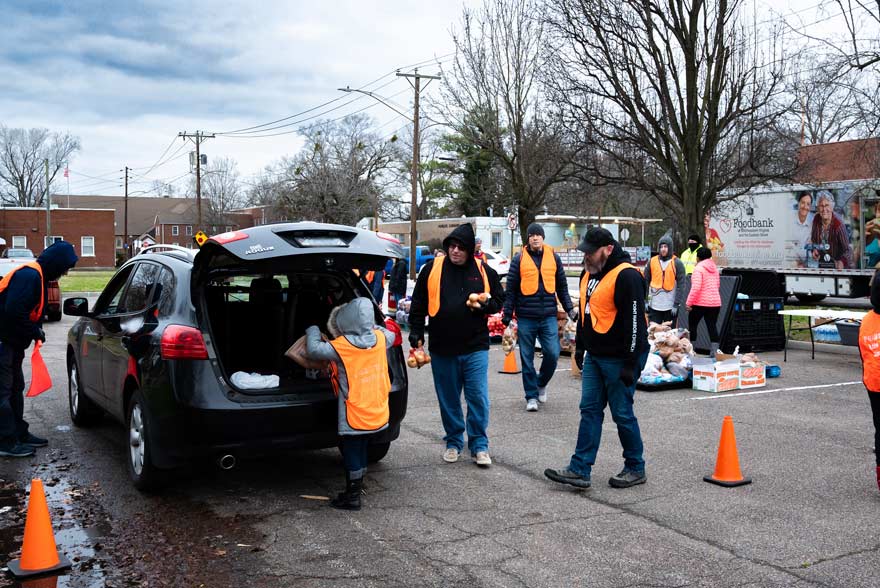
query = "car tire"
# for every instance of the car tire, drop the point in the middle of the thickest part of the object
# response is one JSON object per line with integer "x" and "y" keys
{"x": 138, "y": 441}
{"x": 376, "y": 451}
{"x": 809, "y": 298}
{"x": 83, "y": 410}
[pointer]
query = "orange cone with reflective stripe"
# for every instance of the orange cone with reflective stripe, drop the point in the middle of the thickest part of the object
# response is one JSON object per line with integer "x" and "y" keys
{"x": 510, "y": 366}
{"x": 40, "y": 379}
{"x": 727, "y": 472}
{"x": 39, "y": 553}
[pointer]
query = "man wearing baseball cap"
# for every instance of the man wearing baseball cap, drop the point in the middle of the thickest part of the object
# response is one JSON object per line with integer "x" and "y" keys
{"x": 612, "y": 346}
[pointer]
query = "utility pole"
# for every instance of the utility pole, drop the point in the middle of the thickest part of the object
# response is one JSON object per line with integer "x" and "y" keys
{"x": 48, "y": 207}
{"x": 125, "y": 244}
{"x": 414, "y": 205}
{"x": 197, "y": 138}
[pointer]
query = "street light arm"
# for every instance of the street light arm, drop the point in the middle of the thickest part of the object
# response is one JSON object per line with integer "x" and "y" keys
{"x": 377, "y": 98}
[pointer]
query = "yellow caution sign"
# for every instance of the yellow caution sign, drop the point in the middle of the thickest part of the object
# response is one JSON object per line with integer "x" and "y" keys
{"x": 200, "y": 238}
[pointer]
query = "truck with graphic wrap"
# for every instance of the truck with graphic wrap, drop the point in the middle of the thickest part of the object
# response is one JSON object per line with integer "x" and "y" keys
{"x": 824, "y": 239}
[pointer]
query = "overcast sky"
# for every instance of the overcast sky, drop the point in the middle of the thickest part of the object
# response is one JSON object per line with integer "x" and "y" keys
{"x": 126, "y": 77}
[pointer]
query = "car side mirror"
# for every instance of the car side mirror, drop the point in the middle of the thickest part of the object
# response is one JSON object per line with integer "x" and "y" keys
{"x": 76, "y": 306}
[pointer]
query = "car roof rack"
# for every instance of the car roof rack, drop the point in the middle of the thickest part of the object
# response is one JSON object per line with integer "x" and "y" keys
{"x": 188, "y": 253}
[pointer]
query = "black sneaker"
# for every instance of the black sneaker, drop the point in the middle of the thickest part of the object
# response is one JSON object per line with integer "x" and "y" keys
{"x": 17, "y": 450}
{"x": 566, "y": 476}
{"x": 627, "y": 478}
{"x": 33, "y": 441}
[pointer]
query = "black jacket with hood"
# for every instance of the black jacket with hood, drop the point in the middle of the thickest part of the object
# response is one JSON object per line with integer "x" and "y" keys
{"x": 628, "y": 336}
{"x": 456, "y": 329}
{"x": 541, "y": 304}
{"x": 23, "y": 294}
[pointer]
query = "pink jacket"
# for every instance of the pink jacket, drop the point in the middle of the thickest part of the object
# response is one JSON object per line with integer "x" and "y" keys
{"x": 705, "y": 285}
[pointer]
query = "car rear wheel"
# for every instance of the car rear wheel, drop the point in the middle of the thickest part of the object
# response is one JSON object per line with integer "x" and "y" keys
{"x": 144, "y": 475}
{"x": 83, "y": 411}
{"x": 376, "y": 451}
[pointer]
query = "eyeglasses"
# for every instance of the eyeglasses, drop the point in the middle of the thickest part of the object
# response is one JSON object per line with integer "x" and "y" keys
{"x": 458, "y": 246}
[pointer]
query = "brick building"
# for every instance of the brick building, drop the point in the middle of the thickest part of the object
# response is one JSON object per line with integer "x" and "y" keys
{"x": 90, "y": 231}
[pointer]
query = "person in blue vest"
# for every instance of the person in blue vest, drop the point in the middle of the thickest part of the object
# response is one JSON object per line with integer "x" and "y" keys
{"x": 535, "y": 279}
{"x": 22, "y": 303}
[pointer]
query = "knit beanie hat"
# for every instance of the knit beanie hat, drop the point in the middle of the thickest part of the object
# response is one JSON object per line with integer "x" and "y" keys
{"x": 535, "y": 229}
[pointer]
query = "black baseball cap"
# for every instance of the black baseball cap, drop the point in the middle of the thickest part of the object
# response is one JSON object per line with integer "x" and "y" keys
{"x": 596, "y": 238}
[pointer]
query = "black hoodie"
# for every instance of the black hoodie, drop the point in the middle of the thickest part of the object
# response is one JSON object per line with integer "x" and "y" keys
{"x": 456, "y": 329}
{"x": 628, "y": 336}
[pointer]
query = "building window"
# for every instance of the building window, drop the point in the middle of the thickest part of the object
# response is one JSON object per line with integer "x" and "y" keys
{"x": 52, "y": 239}
{"x": 228, "y": 228}
{"x": 19, "y": 241}
{"x": 119, "y": 242}
{"x": 189, "y": 230}
{"x": 176, "y": 244}
{"x": 175, "y": 230}
{"x": 496, "y": 239}
{"x": 87, "y": 247}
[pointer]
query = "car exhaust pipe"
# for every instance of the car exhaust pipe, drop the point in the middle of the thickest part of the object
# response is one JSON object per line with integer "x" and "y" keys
{"x": 226, "y": 462}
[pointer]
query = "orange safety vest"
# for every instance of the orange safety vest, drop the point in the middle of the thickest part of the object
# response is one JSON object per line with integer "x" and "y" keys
{"x": 528, "y": 272}
{"x": 368, "y": 277}
{"x": 366, "y": 408}
{"x": 434, "y": 284}
{"x": 869, "y": 346}
{"x": 660, "y": 279}
{"x": 601, "y": 306}
{"x": 37, "y": 313}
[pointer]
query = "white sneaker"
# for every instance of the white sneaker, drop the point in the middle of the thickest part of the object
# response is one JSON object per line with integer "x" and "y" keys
{"x": 450, "y": 455}
{"x": 542, "y": 395}
{"x": 482, "y": 459}
{"x": 531, "y": 405}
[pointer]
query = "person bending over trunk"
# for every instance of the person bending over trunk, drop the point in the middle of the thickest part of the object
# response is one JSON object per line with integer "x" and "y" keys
{"x": 359, "y": 372}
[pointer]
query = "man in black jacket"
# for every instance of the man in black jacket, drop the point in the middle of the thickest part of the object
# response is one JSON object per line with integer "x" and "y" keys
{"x": 535, "y": 280}
{"x": 22, "y": 302}
{"x": 612, "y": 347}
{"x": 459, "y": 339}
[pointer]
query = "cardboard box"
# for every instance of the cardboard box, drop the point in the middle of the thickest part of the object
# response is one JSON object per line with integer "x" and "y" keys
{"x": 752, "y": 376}
{"x": 712, "y": 376}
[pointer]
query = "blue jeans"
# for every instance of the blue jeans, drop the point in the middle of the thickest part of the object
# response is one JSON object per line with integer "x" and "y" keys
{"x": 547, "y": 331}
{"x": 470, "y": 372}
{"x": 12, "y": 424}
{"x": 601, "y": 385}
{"x": 354, "y": 455}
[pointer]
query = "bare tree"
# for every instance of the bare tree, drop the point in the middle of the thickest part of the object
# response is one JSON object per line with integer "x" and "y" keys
{"x": 494, "y": 98}
{"x": 22, "y": 162}
{"x": 672, "y": 98}
{"x": 221, "y": 188}
{"x": 862, "y": 18}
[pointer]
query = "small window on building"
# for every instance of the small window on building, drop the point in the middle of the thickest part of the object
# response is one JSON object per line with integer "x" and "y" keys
{"x": 52, "y": 239}
{"x": 176, "y": 244}
{"x": 87, "y": 247}
{"x": 19, "y": 241}
{"x": 189, "y": 230}
{"x": 119, "y": 242}
{"x": 175, "y": 230}
{"x": 228, "y": 228}
{"x": 496, "y": 239}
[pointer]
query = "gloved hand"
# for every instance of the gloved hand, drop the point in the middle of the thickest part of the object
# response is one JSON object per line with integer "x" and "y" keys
{"x": 579, "y": 358}
{"x": 573, "y": 313}
{"x": 627, "y": 375}
{"x": 505, "y": 320}
{"x": 674, "y": 311}
{"x": 416, "y": 339}
{"x": 40, "y": 336}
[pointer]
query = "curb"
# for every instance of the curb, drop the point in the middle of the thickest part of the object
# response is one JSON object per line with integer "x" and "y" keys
{"x": 825, "y": 348}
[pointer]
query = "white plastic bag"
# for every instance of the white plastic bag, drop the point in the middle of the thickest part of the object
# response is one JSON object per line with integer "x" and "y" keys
{"x": 254, "y": 381}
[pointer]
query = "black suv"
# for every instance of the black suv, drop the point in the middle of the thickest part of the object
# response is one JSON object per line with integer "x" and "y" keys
{"x": 160, "y": 347}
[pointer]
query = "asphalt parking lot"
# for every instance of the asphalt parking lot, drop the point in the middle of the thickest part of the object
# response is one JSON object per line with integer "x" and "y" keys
{"x": 809, "y": 517}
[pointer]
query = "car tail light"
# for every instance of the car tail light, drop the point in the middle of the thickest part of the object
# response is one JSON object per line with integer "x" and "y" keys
{"x": 502, "y": 262}
{"x": 392, "y": 326}
{"x": 181, "y": 342}
{"x": 224, "y": 238}
{"x": 388, "y": 237}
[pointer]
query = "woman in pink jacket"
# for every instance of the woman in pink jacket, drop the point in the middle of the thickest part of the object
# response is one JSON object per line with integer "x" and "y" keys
{"x": 704, "y": 300}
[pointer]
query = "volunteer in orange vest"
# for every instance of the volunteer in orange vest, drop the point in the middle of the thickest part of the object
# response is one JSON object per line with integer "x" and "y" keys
{"x": 22, "y": 305}
{"x": 534, "y": 282}
{"x": 666, "y": 277}
{"x": 612, "y": 347}
{"x": 458, "y": 340}
{"x": 360, "y": 379}
{"x": 869, "y": 346}
{"x": 478, "y": 250}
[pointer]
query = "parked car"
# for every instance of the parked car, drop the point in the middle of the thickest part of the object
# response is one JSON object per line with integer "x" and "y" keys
{"x": 497, "y": 262}
{"x": 52, "y": 307}
{"x": 423, "y": 254}
{"x": 18, "y": 253}
{"x": 159, "y": 349}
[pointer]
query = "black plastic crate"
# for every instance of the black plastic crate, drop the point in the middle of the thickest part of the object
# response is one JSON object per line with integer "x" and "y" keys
{"x": 756, "y": 325}
{"x": 761, "y": 343}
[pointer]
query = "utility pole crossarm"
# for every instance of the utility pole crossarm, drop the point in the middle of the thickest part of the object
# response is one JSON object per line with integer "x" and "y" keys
{"x": 198, "y": 137}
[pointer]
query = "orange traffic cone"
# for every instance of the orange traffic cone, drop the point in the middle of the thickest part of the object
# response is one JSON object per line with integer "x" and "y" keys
{"x": 39, "y": 554}
{"x": 727, "y": 472}
{"x": 510, "y": 363}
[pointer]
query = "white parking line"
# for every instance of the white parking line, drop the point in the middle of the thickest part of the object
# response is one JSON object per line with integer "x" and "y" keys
{"x": 793, "y": 388}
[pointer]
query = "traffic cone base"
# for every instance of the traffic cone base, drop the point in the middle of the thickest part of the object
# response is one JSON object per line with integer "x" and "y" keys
{"x": 510, "y": 364}
{"x": 39, "y": 552}
{"x": 727, "y": 472}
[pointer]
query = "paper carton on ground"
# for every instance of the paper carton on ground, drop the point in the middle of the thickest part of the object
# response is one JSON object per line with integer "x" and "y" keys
{"x": 752, "y": 376}
{"x": 712, "y": 376}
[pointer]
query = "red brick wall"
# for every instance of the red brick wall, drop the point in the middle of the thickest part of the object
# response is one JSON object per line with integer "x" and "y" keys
{"x": 69, "y": 223}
